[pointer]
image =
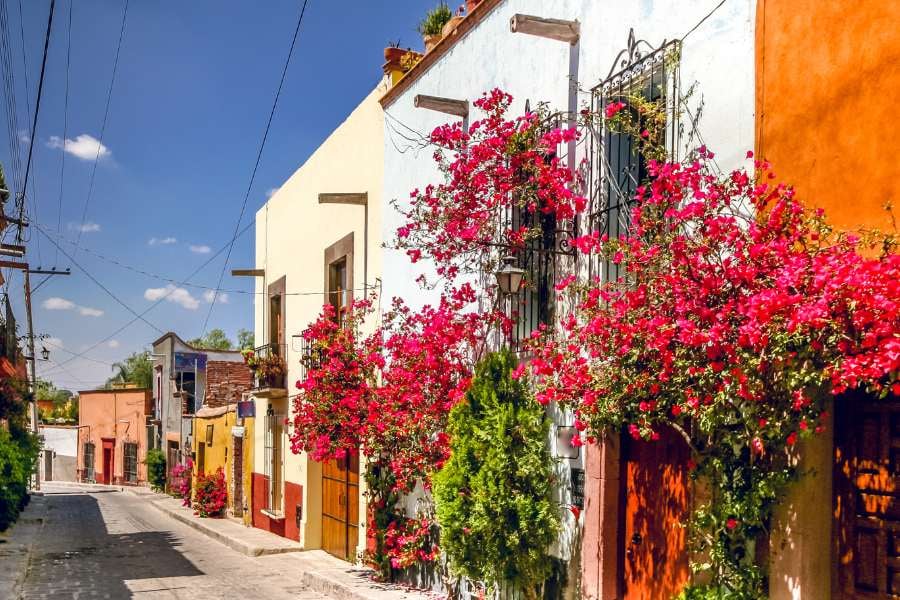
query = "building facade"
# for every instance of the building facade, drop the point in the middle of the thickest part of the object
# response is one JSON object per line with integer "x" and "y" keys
{"x": 112, "y": 435}
{"x": 693, "y": 52}
{"x": 59, "y": 453}
{"x": 185, "y": 379}
{"x": 317, "y": 241}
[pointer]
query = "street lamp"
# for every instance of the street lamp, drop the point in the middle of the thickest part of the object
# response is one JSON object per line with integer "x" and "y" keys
{"x": 45, "y": 354}
{"x": 509, "y": 277}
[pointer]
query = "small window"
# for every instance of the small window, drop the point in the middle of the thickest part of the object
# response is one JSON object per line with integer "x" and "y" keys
{"x": 338, "y": 295}
{"x": 130, "y": 451}
{"x": 273, "y": 459}
{"x": 89, "y": 462}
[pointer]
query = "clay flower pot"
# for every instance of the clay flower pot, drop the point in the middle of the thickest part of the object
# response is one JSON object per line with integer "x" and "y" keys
{"x": 450, "y": 25}
{"x": 431, "y": 41}
{"x": 394, "y": 55}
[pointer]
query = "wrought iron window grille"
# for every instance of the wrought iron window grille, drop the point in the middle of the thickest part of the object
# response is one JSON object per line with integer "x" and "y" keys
{"x": 616, "y": 166}
{"x": 130, "y": 452}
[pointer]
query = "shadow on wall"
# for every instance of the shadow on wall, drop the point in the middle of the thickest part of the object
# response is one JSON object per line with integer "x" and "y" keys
{"x": 96, "y": 563}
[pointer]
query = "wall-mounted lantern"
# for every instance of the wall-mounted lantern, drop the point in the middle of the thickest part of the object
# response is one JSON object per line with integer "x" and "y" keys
{"x": 509, "y": 277}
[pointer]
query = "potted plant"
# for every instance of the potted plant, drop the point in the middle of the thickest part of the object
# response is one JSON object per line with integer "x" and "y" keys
{"x": 393, "y": 54}
{"x": 270, "y": 370}
{"x": 433, "y": 24}
{"x": 455, "y": 20}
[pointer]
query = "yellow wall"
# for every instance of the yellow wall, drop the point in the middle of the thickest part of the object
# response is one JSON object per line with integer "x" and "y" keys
{"x": 292, "y": 232}
{"x": 219, "y": 454}
{"x": 249, "y": 447}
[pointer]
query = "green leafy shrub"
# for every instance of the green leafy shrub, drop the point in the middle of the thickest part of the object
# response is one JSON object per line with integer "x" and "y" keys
{"x": 493, "y": 496}
{"x": 19, "y": 451}
{"x": 156, "y": 469}
{"x": 435, "y": 19}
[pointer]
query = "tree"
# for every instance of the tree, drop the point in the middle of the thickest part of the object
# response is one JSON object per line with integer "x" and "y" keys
{"x": 493, "y": 495}
{"x": 215, "y": 339}
{"x": 45, "y": 390}
{"x": 136, "y": 369}
{"x": 246, "y": 339}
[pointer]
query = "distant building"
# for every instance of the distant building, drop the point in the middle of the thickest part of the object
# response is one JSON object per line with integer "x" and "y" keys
{"x": 59, "y": 458}
{"x": 113, "y": 435}
{"x": 185, "y": 379}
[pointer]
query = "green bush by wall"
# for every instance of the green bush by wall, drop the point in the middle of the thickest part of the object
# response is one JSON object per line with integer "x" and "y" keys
{"x": 156, "y": 469}
{"x": 18, "y": 460}
{"x": 493, "y": 496}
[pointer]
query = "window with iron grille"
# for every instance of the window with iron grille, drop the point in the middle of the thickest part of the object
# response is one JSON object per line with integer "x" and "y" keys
{"x": 645, "y": 76}
{"x": 129, "y": 452}
{"x": 273, "y": 459}
{"x": 310, "y": 357}
{"x": 88, "y": 461}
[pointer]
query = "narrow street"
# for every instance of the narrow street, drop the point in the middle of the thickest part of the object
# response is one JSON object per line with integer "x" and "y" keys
{"x": 102, "y": 543}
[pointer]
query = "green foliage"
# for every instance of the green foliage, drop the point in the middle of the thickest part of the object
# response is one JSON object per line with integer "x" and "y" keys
{"x": 136, "y": 369}
{"x": 493, "y": 496}
{"x": 45, "y": 390}
{"x": 215, "y": 339}
{"x": 246, "y": 339}
{"x": 64, "y": 413}
{"x": 156, "y": 469}
{"x": 19, "y": 451}
{"x": 435, "y": 19}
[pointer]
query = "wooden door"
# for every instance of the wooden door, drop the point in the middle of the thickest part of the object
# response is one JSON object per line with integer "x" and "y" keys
{"x": 866, "y": 509}
{"x": 109, "y": 462}
{"x": 340, "y": 507}
{"x": 654, "y": 544}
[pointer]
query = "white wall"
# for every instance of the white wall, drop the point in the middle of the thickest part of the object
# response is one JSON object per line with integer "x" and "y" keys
{"x": 718, "y": 56}
{"x": 62, "y": 440}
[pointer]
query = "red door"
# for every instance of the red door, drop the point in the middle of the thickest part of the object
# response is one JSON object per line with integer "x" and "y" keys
{"x": 867, "y": 497}
{"x": 654, "y": 545}
{"x": 109, "y": 461}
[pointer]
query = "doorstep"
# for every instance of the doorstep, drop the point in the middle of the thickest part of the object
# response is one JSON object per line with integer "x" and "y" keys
{"x": 246, "y": 540}
{"x": 335, "y": 578}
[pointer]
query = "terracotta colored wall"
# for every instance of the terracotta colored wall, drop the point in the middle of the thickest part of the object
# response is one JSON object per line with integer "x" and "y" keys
{"x": 261, "y": 521}
{"x": 293, "y": 497}
{"x": 827, "y": 87}
{"x": 114, "y": 414}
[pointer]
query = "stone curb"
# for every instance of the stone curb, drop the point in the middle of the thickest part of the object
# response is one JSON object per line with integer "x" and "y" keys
{"x": 233, "y": 543}
{"x": 331, "y": 587}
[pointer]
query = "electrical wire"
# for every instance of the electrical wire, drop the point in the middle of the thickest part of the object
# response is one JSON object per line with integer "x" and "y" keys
{"x": 62, "y": 168}
{"x": 262, "y": 146}
{"x": 112, "y": 83}
{"x": 95, "y": 280}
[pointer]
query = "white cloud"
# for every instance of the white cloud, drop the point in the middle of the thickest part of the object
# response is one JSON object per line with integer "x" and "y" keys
{"x": 113, "y": 343}
{"x": 202, "y": 249}
{"x": 178, "y": 295}
{"x": 87, "y": 227}
{"x": 23, "y": 136}
{"x": 271, "y": 192}
{"x": 222, "y": 298}
{"x": 84, "y": 146}
{"x": 57, "y": 303}
{"x": 162, "y": 241}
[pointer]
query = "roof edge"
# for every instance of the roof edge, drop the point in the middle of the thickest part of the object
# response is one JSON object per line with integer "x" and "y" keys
{"x": 471, "y": 21}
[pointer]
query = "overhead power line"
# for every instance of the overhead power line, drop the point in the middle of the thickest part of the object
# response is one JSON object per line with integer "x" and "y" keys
{"x": 262, "y": 146}
{"x": 112, "y": 83}
{"x": 95, "y": 280}
{"x": 62, "y": 167}
{"x": 37, "y": 109}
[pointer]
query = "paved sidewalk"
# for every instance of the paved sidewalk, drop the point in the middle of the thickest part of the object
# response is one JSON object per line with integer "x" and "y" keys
{"x": 319, "y": 571}
{"x": 15, "y": 546}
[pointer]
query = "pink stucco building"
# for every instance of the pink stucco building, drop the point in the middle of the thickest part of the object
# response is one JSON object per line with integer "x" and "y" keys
{"x": 112, "y": 435}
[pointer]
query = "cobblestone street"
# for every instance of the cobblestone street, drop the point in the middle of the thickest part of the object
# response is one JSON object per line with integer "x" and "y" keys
{"x": 102, "y": 543}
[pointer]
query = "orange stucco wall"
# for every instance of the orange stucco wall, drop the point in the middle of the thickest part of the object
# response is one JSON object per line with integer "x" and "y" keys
{"x": 827, "y": 83}
{"x": 117, "y": 415}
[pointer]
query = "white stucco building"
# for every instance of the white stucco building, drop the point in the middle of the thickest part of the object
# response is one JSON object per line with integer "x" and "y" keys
{"x": 699, "y": 56}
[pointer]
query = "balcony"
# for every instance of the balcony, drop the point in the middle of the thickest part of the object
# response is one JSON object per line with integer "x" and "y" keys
{"x": 269, "y": 367}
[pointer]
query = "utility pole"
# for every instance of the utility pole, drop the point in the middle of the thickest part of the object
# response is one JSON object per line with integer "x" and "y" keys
{"x": 32, "y": 378}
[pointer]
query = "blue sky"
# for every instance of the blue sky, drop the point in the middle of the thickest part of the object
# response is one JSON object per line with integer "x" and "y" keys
{"x": 194, "y": 88}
